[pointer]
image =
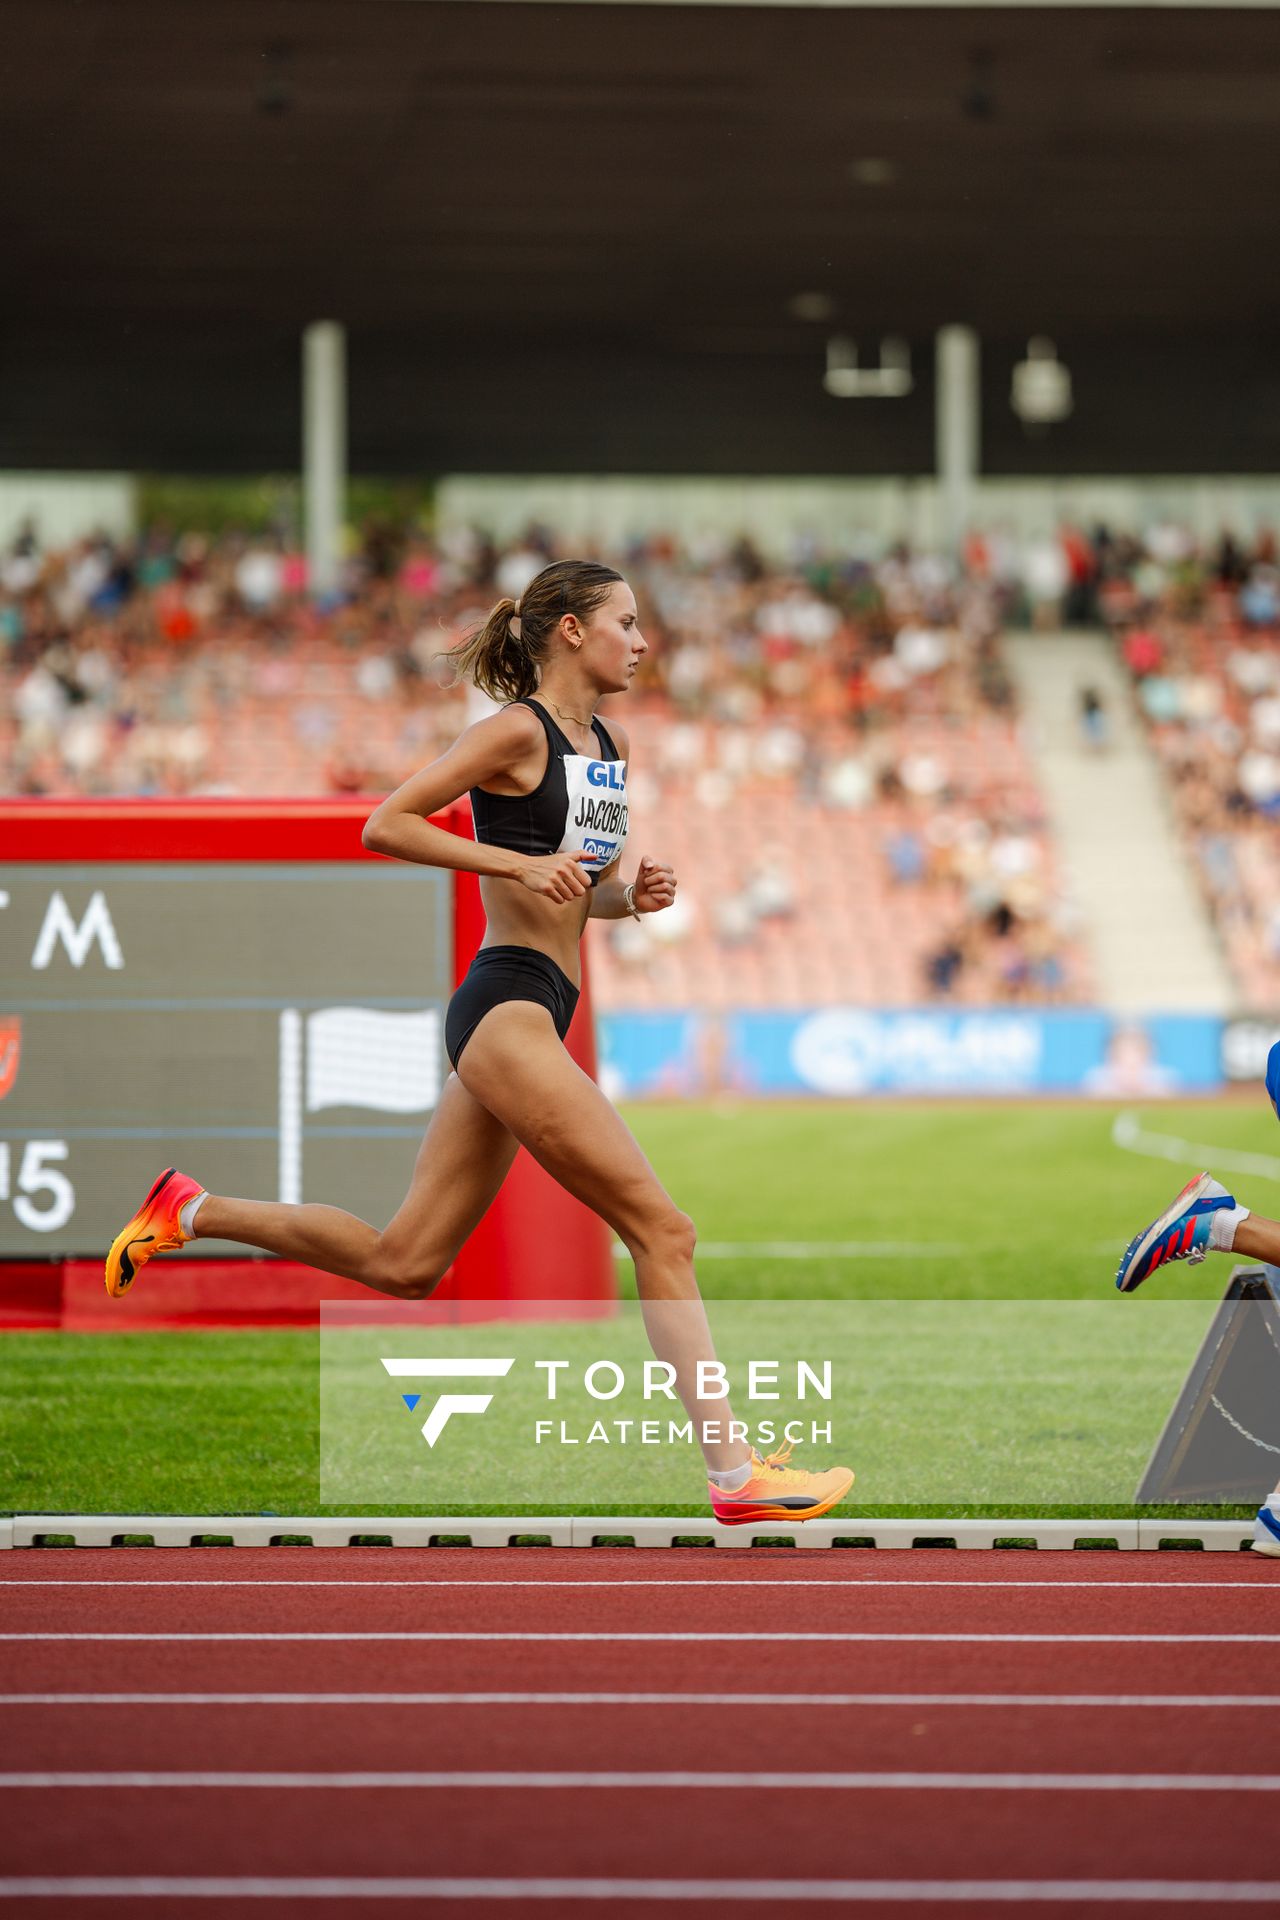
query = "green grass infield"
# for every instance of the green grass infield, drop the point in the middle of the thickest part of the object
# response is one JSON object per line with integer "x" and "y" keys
{"x": 833, "y": 1205}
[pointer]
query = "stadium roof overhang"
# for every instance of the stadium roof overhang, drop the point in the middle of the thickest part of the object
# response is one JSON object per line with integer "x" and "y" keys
{"x": 618, "y": 234}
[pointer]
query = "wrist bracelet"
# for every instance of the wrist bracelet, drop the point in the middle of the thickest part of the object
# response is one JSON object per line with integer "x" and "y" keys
{"x": 629, "y": 899}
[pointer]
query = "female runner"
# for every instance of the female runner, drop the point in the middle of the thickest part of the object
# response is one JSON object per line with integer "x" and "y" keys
{"x": 547, "y": 782}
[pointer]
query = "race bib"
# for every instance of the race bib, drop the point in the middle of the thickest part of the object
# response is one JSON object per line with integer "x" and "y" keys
{"x": 595, "y": 822}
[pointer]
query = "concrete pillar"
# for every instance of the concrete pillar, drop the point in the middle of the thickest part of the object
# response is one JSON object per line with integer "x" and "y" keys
{"x": 324, "y": 449}
{"x": 957, "y": 402}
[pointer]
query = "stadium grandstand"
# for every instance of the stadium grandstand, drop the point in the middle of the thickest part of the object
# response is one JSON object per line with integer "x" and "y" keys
{"x": 862, "y": 708}
{"x": 1200, "y": 639}
{"x": 863, "y": 705}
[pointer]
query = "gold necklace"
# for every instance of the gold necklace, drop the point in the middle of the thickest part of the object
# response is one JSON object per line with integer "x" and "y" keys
{"x": 566, "y": 716}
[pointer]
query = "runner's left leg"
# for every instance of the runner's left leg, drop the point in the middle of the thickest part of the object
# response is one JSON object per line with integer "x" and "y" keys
{"x": 464, "y": 1158}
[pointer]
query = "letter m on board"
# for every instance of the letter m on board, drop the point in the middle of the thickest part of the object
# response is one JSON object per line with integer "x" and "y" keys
{"x": 59, "y": 927}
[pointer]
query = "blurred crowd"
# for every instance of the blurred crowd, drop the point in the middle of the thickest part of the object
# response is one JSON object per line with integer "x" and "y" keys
{"x": 858, "y": 703}
{"x": 1082, "y": 577}
{"x": 1200, "y": 636}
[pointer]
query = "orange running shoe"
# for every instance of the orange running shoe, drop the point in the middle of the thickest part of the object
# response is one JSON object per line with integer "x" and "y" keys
{"x": 154, "y": 1228}
{"x": 776, "y": 1491}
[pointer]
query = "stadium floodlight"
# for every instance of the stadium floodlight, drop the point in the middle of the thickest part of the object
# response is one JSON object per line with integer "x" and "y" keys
{"x": 811, "y": 306}
{"x": 846, "y": 380}
{"x": 1041, "y": 391}
{"x": 873, "y": 171}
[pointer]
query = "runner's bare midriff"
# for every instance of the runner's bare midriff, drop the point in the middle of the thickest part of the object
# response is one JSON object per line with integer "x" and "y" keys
{"x": 518, "y": 918}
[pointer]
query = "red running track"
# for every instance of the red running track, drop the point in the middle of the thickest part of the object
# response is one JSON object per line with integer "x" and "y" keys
{"x": 878, "y": 1733}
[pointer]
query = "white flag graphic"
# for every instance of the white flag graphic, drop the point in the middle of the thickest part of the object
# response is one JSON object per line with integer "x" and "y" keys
{"x": 362, "y": 1057}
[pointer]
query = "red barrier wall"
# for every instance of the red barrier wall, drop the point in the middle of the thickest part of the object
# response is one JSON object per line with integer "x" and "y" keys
{"x": 536, "y": 1242}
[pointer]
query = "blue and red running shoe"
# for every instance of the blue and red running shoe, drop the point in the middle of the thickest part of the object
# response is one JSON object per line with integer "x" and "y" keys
{"x": 1181, "y": 1232}
{"x": 1266, "y": 1529}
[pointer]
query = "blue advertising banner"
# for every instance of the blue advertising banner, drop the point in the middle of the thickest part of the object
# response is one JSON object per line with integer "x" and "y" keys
{"x": 847, "y": 1051}
{"x": 655, "y": 1053}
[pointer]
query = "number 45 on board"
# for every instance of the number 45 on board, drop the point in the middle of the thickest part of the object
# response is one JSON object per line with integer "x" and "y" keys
{"x": 36, "y": 1177}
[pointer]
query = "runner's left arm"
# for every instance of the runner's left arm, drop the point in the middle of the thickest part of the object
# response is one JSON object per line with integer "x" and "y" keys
{"x": 655, "y": 883}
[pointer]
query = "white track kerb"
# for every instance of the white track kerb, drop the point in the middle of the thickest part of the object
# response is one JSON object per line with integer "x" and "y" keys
{"x": 271, "y": 1530}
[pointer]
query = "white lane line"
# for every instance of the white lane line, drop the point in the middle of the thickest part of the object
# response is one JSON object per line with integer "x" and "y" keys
{"x": 747, "y": 1581}
{"x": 1128, "y": 1132}
{"x": 1213, "y": 1893}
{"x": 685, "y": 1781}
{"x": 834, "y": 1249}
{"x": 708, "y": 1639}
{"x": 1106, "y": 1700}
{"x": 880, "y": 1249}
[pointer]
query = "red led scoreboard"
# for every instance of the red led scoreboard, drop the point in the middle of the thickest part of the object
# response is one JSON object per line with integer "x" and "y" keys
{"x": 236, "y": 987}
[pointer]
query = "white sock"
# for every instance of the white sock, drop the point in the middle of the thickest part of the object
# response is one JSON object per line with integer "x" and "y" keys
{"x": 733, "y": 1480}
{"x": 187, "y": 1214}
{"x": 1222, "y": 1227}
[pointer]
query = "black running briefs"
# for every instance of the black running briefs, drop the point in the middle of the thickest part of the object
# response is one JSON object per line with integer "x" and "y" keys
{"x": 507, "y": 973}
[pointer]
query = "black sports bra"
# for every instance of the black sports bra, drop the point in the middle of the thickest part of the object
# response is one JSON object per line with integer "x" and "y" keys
{"x": 578, "y": 806}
